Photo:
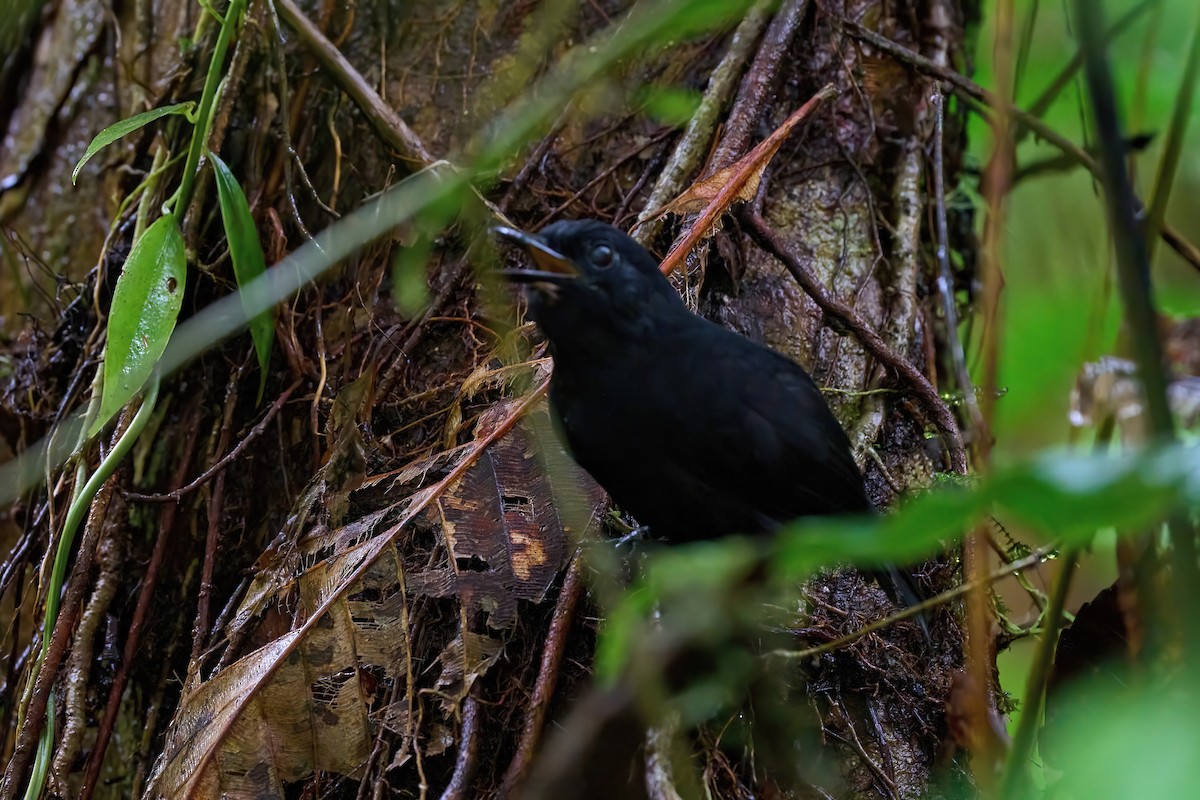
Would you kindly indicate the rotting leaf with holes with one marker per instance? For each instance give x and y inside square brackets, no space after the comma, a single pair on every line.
[508,522]
[245,250]
[145,306]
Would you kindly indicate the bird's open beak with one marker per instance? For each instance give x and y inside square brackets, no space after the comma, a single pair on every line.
[553,267]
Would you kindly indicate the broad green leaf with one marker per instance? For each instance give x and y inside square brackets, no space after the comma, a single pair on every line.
[920,527]
[145,305]
[1067,496]
[410,279]
[125,127]
[1112,741]
[245,250]
[1071,496]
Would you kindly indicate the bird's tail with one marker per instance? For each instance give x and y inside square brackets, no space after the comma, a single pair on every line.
[902,588]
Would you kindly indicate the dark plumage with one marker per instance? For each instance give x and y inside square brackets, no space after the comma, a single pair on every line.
[696,431]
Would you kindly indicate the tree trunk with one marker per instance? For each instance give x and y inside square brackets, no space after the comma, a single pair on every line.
[377,593]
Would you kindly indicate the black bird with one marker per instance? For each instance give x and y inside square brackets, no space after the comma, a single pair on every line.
[695,430]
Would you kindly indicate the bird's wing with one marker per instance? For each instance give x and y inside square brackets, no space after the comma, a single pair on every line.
[766,434]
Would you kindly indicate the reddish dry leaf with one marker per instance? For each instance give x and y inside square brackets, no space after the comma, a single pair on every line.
[703,192]
[739,181]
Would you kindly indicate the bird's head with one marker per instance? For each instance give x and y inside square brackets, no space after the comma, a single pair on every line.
[590,278]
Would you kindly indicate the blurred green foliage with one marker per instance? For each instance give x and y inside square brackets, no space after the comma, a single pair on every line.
[1060,307]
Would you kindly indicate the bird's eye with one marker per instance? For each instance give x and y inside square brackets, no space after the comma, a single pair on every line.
[602,255]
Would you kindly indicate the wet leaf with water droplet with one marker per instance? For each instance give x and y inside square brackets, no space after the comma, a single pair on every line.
[145,305]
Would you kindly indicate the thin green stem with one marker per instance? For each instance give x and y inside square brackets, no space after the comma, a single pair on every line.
[1063,79]
[1173,146]
[183,197]
[80,503]
[1025,738]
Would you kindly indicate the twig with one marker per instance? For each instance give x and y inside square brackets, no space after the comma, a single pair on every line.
[758,86]
[692,145]
[864,757]
[216,507]
[166,535]
[180,493]
[1021,750]
[1168,165]
[547,679]
[945,281]
[32,706]
[468,749]
[64,625]
[387,122]
[1182,247]
[985,99]
[604,174]
[1032,560]
[737,182]
[1063,79]
[943,418]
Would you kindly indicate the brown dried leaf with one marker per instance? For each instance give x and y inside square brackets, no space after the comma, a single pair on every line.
[701,193]
[302,702]
[507,523]
[466,658]
[736,182]
[740,179]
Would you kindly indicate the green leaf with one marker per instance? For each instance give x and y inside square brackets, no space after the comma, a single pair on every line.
[245,249]
[1115,738]
[1065,495]
[125,127]
[670,105]
[145,305]
[410,284]
[1072,496]
[1068,496]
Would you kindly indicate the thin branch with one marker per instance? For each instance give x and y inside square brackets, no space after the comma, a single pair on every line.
[945,281]
[1032,560]
[693,145]
[180,493]
[754,162]
[387,122]
[1034,698]
[468,749]
[943,418]
[985,101]
[1168,166]
[1062,80]
[757,88]
[166,536]
[547,679]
